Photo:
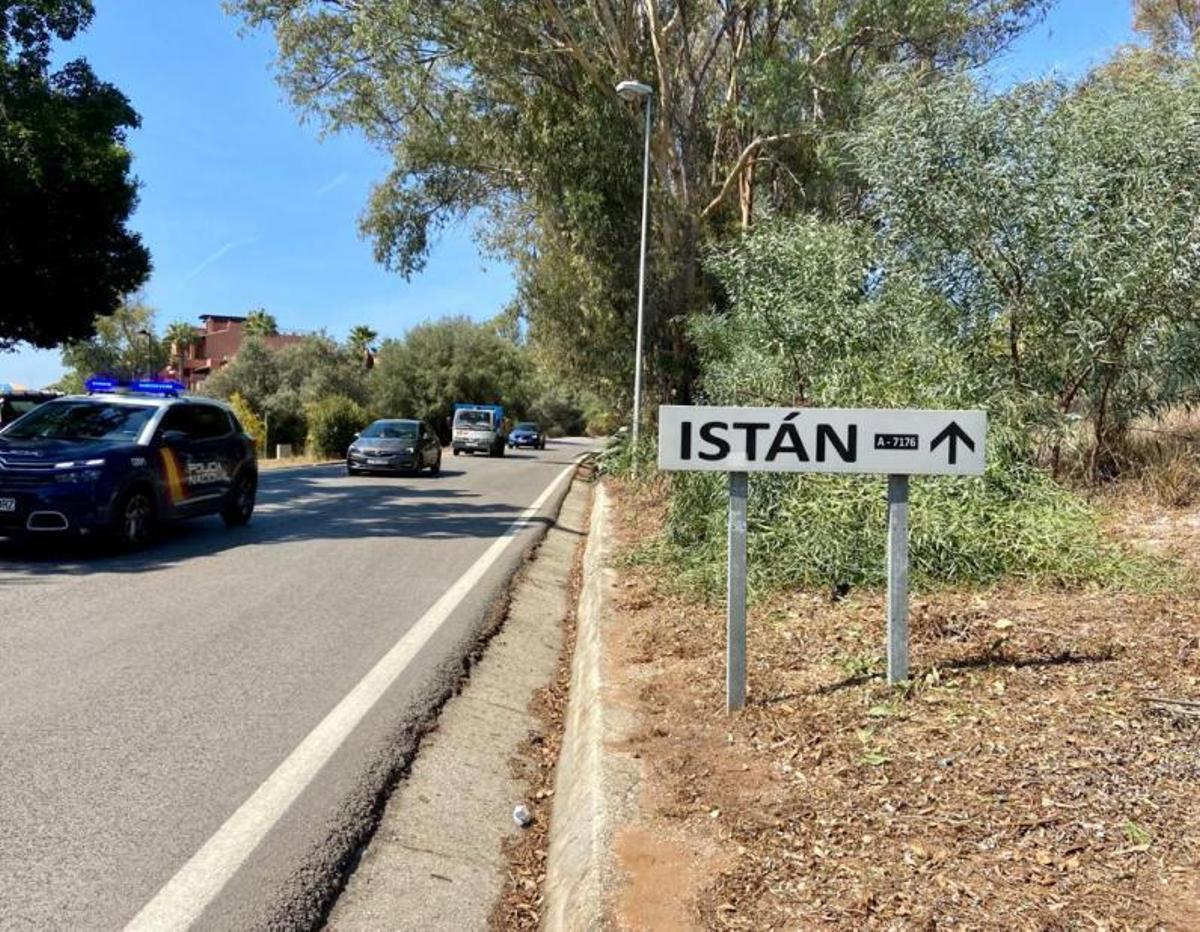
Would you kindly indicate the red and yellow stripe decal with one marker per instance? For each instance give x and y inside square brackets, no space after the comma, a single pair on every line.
[175,485]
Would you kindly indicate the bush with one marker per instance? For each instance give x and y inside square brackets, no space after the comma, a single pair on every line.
[811,323]
[819,530]
[332,424]
[251,422]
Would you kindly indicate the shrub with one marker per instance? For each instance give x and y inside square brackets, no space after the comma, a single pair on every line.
[812,323]
[251,422]
[332,424]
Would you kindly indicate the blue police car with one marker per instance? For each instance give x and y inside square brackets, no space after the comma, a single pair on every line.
[121,459]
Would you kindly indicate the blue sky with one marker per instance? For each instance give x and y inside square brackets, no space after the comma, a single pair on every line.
[244,206]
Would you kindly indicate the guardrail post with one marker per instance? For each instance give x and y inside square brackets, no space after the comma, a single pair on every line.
[735,624]
[897,576]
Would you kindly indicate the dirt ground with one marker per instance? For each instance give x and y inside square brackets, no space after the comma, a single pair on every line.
[1042,771]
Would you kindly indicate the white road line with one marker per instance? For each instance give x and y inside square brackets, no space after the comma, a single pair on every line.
[179,904]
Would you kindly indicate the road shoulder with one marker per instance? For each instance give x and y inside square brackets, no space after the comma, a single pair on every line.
[437,859]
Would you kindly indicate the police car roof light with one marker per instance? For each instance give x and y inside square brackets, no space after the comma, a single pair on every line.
[158,387]
[164,387]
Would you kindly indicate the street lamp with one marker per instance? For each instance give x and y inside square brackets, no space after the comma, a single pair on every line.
[149,352]
[634,90]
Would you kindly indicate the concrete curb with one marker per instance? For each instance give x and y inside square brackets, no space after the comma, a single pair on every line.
[594,785]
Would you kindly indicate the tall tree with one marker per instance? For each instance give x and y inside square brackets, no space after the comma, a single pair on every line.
[1060,224]
[508,112]
[360,338]
[123,345]
[180,337]
[260,324]
[66,193]
[448,361]
[1172,26]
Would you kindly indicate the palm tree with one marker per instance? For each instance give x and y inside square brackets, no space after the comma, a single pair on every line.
[360,340]
[260,323]
[180,337]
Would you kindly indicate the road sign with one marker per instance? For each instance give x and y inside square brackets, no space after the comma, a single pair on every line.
[897,443]
[903,442]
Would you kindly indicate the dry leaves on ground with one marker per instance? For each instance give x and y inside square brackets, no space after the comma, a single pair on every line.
[1030,777]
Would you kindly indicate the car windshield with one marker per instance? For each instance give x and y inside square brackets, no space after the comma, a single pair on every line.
[474,418]
[391,430]
[526,425]
[82,420]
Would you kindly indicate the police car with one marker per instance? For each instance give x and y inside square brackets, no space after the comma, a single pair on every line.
[121,459]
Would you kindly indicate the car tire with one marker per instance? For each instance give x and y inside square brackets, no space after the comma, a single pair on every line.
[134,518]
[242,496]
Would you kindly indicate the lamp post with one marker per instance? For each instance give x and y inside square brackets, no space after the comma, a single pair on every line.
[634,90]
[149,352]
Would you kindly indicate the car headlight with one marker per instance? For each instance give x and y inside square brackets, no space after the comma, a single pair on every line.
[78,471]
[410,449]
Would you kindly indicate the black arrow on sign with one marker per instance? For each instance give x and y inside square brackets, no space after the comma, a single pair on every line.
[954,434]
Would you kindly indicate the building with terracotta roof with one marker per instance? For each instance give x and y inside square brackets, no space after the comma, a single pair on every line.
[218,339]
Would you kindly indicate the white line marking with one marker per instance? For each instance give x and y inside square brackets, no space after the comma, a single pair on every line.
[179,904]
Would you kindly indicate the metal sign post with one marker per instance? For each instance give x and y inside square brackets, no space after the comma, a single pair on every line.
[897,579]
[735,618]
[896,443]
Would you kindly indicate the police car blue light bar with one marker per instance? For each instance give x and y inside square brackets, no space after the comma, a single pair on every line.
[157,386]
[164,387]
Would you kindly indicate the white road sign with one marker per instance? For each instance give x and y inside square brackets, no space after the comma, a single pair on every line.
[901,442]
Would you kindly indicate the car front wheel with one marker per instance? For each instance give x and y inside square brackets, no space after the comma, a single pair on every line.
[240,507]
[134,522]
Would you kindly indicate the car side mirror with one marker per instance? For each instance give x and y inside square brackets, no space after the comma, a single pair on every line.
[173,436]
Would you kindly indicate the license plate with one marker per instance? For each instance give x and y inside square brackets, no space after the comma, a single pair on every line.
[8,504]
[377,462]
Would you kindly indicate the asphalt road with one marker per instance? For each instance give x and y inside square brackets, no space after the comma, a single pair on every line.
[148,702]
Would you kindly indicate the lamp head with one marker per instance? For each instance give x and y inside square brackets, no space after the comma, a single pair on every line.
[634,90]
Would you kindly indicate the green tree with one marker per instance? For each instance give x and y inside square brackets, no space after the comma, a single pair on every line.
[360,339]
[817,316]
[66,193]
[260,324]
[119,347]
[1172,26]
[253,374]
[506,112]
[1059,223]
[448,361]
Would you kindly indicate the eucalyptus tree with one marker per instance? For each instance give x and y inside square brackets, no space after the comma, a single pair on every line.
[505,113]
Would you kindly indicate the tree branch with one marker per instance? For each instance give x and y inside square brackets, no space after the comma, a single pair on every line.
[739,166]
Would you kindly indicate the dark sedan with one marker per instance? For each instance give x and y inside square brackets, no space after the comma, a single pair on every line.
[527,434]
[394,445]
